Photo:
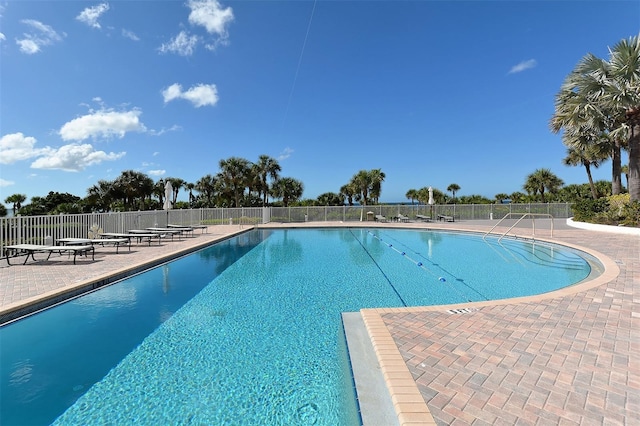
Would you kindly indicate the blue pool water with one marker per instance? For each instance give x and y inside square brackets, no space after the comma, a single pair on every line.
[248,331]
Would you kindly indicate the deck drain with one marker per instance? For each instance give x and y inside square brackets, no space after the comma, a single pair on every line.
[462,311]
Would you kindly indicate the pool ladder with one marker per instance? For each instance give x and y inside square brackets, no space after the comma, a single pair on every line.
[523,216]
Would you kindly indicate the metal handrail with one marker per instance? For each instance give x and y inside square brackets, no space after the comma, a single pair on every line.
[524,215]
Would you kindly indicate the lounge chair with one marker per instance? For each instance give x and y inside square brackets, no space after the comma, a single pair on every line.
[380,218]
[203,228]
[149,236]
[423,218]
[173,231]
[116,242]
[30,249]
[445,218]
[403,218]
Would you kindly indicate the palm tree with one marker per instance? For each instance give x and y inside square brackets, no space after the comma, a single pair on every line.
[190,187]
[158,191]
[412,194]
[16,200]
[625,171]
[267,168]
[591,155]
[501,197]
[453,188]
[330,199]
[368,184]
[233,178]
[133,187]
[361,182]
[206,186]
[601,96]
[289,189]
[376,177]
[541,180]
[176,184]
[348,191]
[100,196]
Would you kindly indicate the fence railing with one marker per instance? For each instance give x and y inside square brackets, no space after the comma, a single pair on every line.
[44,229]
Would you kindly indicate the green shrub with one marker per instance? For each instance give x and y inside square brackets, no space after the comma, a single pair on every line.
[586,210]
[631,213]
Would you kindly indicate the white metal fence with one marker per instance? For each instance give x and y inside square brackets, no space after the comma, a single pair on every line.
[41,229]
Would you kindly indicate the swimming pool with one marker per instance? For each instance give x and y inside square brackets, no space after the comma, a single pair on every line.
[248,331]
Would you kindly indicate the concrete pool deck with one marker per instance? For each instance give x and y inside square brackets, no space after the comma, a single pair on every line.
[567,357]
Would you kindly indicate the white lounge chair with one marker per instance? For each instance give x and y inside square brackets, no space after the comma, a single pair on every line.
[30,249]
[380,218]
[403,218]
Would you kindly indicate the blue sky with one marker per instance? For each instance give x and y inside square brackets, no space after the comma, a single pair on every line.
[431,92]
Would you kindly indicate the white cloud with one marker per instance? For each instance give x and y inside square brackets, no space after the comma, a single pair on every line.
[211,15]
[41,35]
[157,172]
[104,123]
[183,44]
[286,153]
[130,34]
[199,95]
[2,37]
[17,147]
[73,158]
[90,15]
[523,66]
[4,182]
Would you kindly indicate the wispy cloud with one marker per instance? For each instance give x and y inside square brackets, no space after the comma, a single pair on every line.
[286,153]
[90,15]
[183,44]
[523,66]
[39,36]
[4,182]
[199,95]
[103,123]
[157,172]
[130,35]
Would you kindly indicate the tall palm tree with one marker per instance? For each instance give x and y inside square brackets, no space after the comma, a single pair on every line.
[158,191]
[412,194]
[541,180]
[206,186]
[453,188]
[349,191]
[100,196]
[133,187]
[368,185]
[267,168]
[591,155]
[362,184]
[289,189]
[16,200]
[176,185]
[601,96]
[376,177]
[189,186]
[233,177]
